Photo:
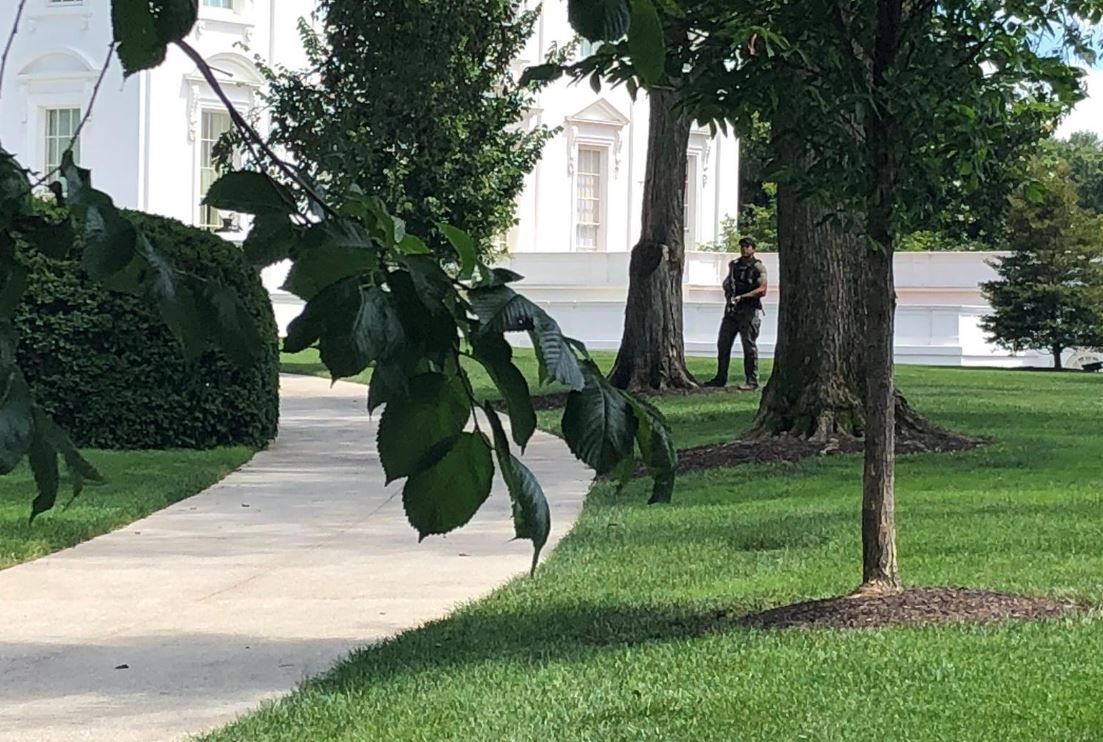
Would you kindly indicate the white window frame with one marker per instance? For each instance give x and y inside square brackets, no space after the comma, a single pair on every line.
[692,227]
[44,135]
[601,242]
[200,220]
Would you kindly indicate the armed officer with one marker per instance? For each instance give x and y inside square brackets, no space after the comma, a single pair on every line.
[743,290]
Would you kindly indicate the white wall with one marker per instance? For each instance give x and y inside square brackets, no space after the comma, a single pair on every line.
[937,322]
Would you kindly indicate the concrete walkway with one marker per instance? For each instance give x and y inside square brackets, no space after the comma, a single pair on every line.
[193,616]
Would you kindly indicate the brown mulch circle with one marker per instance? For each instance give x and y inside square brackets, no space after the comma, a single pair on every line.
[914,606]
[789,448]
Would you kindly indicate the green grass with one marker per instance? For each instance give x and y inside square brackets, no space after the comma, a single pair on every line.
[138,483]
[609,640]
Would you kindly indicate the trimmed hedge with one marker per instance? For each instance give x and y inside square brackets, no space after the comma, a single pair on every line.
[109,371]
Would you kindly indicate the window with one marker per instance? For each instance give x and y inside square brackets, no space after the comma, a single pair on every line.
[692,186]
[589,199]
[214,125]
[61,125]
[227,4]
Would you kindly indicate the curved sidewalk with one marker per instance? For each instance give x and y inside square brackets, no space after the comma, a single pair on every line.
[184,620]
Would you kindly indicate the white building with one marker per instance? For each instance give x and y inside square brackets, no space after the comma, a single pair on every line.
[148,143]
[148,140]
[586,193]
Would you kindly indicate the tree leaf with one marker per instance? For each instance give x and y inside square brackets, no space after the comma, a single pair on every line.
[374,334]
[43,462]
[16,418]
[531,513]
[411,245]
[656,447]
[140,46]
[270,240]
[436,409]
[234,328]
[465,248]
[447,495]
[598,423]
[557,360]
[599,20]
[330,251]
[78,468]
[250,192]
[496,356]
[646,42]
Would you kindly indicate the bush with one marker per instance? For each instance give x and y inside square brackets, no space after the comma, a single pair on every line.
[105,366]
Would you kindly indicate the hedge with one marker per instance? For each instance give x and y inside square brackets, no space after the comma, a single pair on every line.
[108,370]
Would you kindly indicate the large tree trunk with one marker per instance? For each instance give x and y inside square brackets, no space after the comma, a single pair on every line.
[817,389]
[652,349]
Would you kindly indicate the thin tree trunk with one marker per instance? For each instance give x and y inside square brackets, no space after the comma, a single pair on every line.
[652,347]
[879,568]
[1057,358]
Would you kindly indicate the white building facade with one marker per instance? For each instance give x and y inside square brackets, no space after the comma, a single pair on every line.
[148,139]
[586,193]
[148,143]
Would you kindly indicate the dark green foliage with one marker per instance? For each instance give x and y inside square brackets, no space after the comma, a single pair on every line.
[104,365]
[1084,153]
[414,101]
[1051,294]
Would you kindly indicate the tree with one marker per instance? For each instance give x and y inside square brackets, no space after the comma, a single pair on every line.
[1050,296]
[414,101]
[375,296]
[651,354]
[1083,151]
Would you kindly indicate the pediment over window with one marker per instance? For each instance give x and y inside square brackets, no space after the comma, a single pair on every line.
[600,112]
[231,69]
[58,64]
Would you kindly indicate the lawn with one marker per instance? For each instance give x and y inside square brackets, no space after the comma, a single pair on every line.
[616,638]
[138,483]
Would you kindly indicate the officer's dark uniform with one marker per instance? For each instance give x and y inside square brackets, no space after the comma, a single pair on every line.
[741,319]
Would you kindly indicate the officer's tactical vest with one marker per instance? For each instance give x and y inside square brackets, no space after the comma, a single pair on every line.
[744,277]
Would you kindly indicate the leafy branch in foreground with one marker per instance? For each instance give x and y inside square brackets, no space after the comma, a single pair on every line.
[376,298]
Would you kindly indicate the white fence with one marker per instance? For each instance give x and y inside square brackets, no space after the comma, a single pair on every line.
[937,321]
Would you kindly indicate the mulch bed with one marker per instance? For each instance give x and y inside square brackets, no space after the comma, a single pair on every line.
[914,606]
[789,448]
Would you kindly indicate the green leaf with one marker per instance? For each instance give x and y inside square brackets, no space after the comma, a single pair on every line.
[270,240]
[43,462]
[646,42]
[78,468]
[464,247]
[174,19]
[140,46]
[411,245]
[656,448]
[339,300]
[16,418]
[531,513]
[540,74]
[447,495]
[435,410]
[598,423]
[599,20]
[496,356]
[234,328]
[176,302]
[13,284]
[250,192]
[374,334]
[331,251]
[389,382]
[557,360]
[52,239]
[110,241]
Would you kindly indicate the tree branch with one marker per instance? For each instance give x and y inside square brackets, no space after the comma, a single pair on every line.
[11,40]
[249,132]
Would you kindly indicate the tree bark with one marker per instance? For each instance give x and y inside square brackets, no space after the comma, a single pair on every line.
[652,348]
[879,568]
[1057,358]
[815,390]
